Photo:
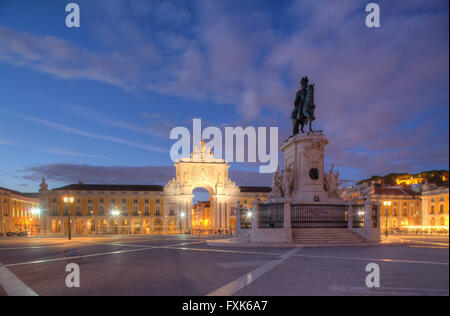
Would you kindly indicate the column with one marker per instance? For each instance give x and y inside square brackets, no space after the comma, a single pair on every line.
[188,206]
[255,211]
[180,219]
[216,215]
[226,216]
[213,210]
[238,219]
[222,216]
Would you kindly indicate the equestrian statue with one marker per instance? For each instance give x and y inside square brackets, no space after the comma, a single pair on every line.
[303,113]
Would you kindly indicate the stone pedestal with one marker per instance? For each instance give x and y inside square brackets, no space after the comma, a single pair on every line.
[371,214]
[304,154]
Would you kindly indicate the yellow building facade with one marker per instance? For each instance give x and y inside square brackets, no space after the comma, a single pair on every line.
[404,209]
[435,205]
[400,208]
[17,213]
[201,216]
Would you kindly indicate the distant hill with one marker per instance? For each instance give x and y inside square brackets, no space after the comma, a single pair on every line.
[437,177]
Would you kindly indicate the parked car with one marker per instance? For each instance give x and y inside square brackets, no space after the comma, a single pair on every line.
[21,234]
[9,234]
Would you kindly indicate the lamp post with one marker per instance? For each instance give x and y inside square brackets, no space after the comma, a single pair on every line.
[182,215]
[141,224]
[115,213]
[92,226]
[36,212]
[68,201]
[386,206]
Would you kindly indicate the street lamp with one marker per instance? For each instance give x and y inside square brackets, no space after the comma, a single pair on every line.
[68,200]
[386,206]
[35,212]
[115,213]
[92,225]
[182,215]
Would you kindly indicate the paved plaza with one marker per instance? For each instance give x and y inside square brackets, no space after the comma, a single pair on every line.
[184,265]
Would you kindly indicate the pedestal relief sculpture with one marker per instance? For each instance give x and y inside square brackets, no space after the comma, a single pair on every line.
[282,185]
[332,183]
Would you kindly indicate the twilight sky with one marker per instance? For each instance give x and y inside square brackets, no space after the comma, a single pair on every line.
[97,103]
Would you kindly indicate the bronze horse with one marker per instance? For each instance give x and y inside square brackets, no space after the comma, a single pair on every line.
[303,112]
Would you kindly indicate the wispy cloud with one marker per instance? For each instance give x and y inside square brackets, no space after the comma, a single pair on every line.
[72,153]
[7,142]
[102,118]
[75,131]
[72,173]
[62,59]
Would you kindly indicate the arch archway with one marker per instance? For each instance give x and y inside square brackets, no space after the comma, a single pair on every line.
[201,170]
[202,206]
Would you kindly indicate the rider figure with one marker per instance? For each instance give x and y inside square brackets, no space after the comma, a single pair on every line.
[297,114]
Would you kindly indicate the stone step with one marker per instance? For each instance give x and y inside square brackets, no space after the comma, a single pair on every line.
[331,239]
[326,236]
[318,236]
[327,240]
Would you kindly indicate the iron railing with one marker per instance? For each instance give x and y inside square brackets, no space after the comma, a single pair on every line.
[271,215]
[319,216]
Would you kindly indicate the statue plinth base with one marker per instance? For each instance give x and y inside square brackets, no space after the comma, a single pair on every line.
[304,153]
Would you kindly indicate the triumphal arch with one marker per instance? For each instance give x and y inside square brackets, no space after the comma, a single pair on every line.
[202,170]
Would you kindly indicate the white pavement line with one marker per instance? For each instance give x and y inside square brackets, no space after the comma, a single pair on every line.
[187,243]
[238,284]
[116,244]
[375,259]
[86,256]
[78,257]
[426,242]
[34,247]
[12,285]
[224,251]
[428,247]
[142,246]
[389,291]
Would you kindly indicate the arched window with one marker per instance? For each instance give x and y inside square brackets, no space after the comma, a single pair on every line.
[432,209]
[442,221]
[433,222]
[441,208]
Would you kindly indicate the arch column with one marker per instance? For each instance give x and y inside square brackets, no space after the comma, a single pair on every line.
[188,207]
[222,215]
